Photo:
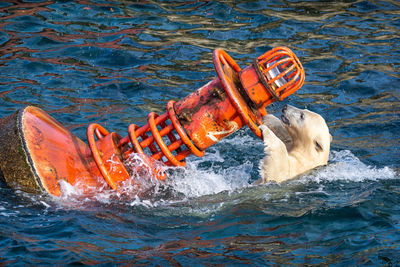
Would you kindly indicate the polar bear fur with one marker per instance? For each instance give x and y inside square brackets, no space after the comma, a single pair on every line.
[299,142]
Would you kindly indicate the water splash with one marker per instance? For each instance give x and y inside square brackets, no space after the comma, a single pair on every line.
[345,166]
[193,182]
[205,179]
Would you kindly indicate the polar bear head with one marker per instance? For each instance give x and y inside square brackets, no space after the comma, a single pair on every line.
[309,132]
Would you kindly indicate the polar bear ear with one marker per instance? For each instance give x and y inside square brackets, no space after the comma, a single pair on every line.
[330,137]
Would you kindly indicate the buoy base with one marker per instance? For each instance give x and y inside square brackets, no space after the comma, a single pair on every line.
[37,153]
[14,164]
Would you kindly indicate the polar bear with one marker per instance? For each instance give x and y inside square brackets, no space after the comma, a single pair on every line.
[299,142]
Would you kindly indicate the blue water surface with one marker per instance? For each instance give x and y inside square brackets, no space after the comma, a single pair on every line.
[113,62]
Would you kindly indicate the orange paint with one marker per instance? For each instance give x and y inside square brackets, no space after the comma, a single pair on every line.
[55,153]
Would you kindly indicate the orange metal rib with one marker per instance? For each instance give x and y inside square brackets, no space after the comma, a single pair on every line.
[100,131]
[181,132]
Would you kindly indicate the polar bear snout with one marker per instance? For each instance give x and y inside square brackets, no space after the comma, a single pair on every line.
[285,120]
[288,114]
[284,117]
[292,116]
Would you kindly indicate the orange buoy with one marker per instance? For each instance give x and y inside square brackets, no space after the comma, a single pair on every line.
[37,152]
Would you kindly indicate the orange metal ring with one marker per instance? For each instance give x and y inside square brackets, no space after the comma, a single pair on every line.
[145,138]
[232,93]
[132,136]
[167,130]
[160,142]
[99,130]
[181,132]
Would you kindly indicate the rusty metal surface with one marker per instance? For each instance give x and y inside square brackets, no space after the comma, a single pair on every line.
[208,115]
[255,89]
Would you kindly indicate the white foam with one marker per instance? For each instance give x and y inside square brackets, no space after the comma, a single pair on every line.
[345,166]
[193,182]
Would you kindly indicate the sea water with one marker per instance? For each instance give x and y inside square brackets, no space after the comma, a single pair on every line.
[113,62]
